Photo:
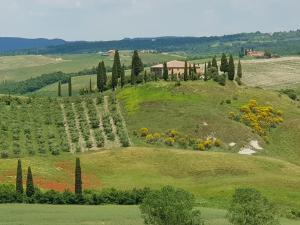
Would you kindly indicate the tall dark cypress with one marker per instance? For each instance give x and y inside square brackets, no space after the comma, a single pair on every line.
[70,86]
[185,74]
[224,64]
[165,72]
[29,184]
[114,78]
[123,76]
[205,72]
[117,63]
[59,89]
[214,63]
[19,178]
[99,77]
[231,68]
[104,73]
[239,70]
[209,65]
[136,67]
[78,181]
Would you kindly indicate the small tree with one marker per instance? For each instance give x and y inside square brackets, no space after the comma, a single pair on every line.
[165,72]
[170,206]
[78,181]
[19,178]
[249,207]
[231,69]
[70,86]
[59,89]
[185,74]
[29,184]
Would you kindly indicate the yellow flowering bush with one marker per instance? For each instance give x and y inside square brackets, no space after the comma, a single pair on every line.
[260,118]
[169,141]
[144,132]
[150,138]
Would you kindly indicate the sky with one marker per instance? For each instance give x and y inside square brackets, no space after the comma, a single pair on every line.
[96,20]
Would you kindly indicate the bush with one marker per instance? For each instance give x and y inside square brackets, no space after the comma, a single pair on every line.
[170,206]
[4,155]
[249,207]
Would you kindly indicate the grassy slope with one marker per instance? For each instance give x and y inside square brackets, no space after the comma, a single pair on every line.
[196,103]
[92,215]
[212,177]
[16,68]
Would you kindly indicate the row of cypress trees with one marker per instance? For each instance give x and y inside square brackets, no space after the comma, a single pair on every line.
[227,67]
[29,181]
[30,189]
[118,72]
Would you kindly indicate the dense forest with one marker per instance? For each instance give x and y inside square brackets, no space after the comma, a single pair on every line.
[282,43]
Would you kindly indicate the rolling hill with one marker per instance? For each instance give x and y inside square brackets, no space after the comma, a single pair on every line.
[10,44]
[283,43]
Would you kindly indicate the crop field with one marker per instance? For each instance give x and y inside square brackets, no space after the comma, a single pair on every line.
[17,68]
[43,125]
[93,215]
[271,73]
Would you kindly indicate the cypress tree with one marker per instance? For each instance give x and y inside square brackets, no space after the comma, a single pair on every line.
[117,63]
[215,63]
[165,72]
[224,64]
[78,181]
[136,67]
[209,65]
[185,74]
[205,72]
[19,178]
[70,86]
[231,69]
[104,73]
[123,76]
[59,89]
[114,78]
[29,184]
[99,77]
[194,69]
[239,70]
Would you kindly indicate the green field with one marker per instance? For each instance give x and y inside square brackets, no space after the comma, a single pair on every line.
[17,68]
[211,176]
[93,215]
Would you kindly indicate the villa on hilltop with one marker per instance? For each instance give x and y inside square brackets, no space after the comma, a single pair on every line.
[177,67]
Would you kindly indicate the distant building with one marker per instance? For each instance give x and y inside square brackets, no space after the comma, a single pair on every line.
[108,53]
[253,53]
[176,66]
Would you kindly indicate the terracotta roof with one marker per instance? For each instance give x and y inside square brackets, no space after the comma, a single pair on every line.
[174,64]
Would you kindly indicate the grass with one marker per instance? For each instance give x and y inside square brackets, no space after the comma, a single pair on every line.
[16,68]
[93,215]
[187,108]
[211,176]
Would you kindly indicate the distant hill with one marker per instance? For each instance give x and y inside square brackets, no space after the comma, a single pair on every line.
[282,43]
[9,44]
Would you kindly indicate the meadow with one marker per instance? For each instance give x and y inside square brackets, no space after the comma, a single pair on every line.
[202,109]
[92,215]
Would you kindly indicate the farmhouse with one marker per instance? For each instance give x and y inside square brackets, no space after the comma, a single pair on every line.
[177,67]
[252,53]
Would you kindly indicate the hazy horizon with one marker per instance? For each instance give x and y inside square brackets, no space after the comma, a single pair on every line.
[100,20]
